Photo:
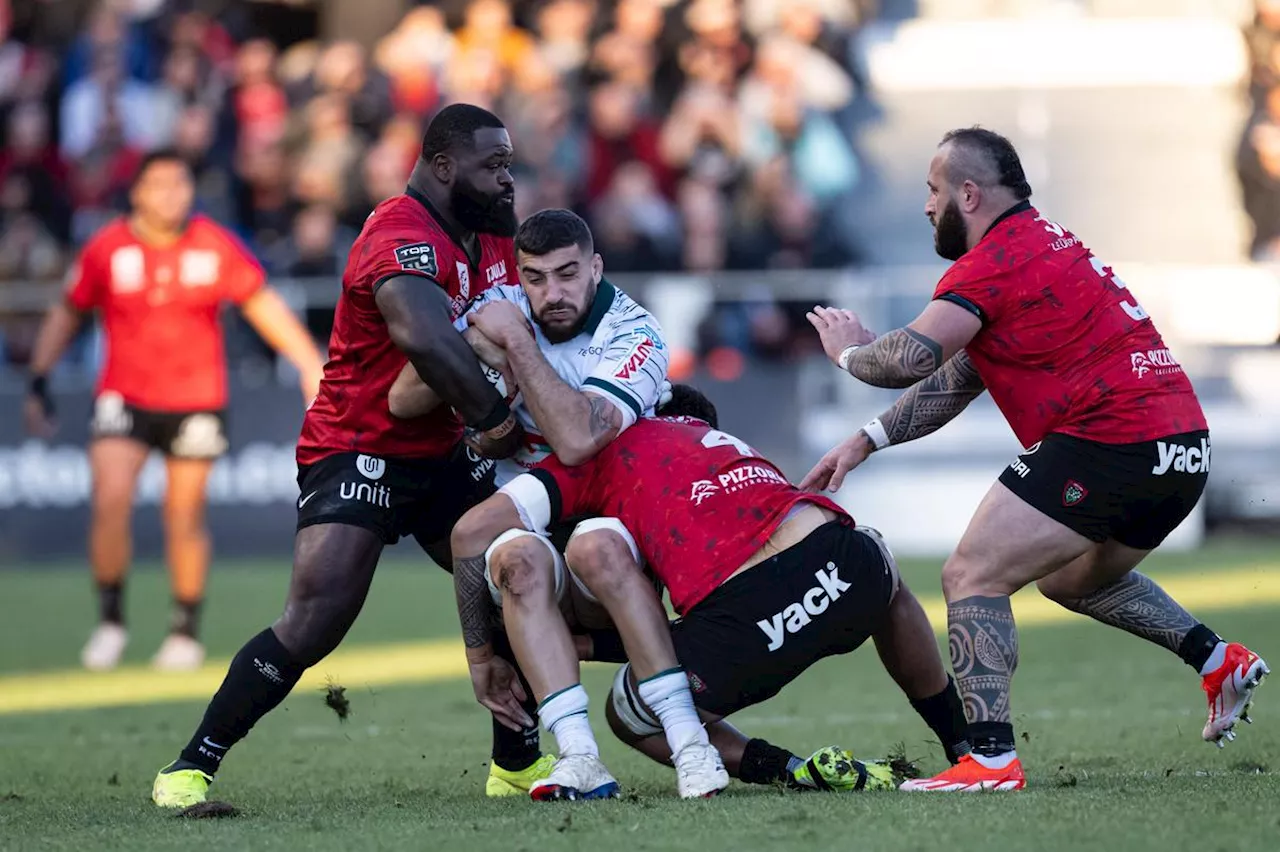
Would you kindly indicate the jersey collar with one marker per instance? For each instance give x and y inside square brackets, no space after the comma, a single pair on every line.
[605,294]
[1021,207]
[444,226]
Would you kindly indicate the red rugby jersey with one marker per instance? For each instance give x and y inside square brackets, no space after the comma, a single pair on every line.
[699,502]
[1064,346]
[351,413]
[160,310]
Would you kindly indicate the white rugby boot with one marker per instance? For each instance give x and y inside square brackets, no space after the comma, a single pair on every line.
[700,773]
[105,647]
[178,653]
[575,777]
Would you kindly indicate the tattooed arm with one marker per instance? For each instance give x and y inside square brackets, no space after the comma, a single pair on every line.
[933,403]
[924,409]
[900,358]
[475,609]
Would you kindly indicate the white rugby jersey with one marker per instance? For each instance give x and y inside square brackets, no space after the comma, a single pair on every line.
[620,354]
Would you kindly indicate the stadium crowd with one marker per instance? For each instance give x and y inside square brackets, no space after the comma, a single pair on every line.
[692,134]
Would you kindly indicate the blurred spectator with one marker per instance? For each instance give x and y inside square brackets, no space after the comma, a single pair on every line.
[620,132]
[328,153]
[32,155]
[1258,165]
[343,69]
[637,227]
[489,29]
[258,104]
[414,56]
[91,103]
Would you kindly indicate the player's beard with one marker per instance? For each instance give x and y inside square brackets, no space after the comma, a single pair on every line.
[481,213]
[951,233]
[562,330]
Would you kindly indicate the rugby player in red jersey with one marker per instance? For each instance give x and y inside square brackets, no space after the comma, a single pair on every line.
[768,580]
[366,478]
[1117,448]
[158,278]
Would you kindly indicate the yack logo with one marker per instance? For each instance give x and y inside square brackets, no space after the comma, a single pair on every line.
[814,602]
[1181,458]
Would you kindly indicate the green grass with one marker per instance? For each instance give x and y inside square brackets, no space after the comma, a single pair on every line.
[1110,729]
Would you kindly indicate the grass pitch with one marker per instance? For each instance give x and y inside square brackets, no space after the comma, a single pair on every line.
[1109,731]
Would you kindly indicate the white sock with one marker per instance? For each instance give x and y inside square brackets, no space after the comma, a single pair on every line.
[667,694]
[1000,761]
[1216,658]
[565,715]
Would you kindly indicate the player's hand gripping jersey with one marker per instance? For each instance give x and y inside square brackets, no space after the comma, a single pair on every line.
[698,501]
[351,414]
[160,312]
[620,354]
[1064,346]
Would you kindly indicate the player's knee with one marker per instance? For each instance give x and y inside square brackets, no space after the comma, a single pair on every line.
[962,574]
[474,532]
[184,522]
[523,570]
[601,559]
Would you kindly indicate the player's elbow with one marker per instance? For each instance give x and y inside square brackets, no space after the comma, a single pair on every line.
[575,452]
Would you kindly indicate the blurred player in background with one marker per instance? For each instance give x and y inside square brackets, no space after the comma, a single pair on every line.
[1117,447]
[594,363]
[158,278]
[367,479]
[767,580]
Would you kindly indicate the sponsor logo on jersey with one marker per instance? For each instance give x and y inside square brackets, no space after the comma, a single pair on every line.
[702,489]
[127,269]
[648,341]
[378,495]
[748,475]
[198,268]
[812,603]
[496,273]
[1073,492]
[371,467]
[1021,468]
[1159,361]
[1181,458]
[636,358]
[419,257]
[464,280]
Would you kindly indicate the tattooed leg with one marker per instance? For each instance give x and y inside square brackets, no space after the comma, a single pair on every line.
[1135,604]
[984,654]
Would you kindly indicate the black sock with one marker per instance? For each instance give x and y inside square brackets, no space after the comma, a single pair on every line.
[111,603]
[1197,645]
[515,750]
[765,763]
[260,677]
[991,739]
[186,618]
[944,714]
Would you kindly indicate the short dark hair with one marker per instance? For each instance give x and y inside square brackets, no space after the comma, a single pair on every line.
[454,127]
[999,154]
[159,155]
[688,401]
[555,228]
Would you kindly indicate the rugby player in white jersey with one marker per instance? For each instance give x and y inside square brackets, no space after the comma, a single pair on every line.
[582,362]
